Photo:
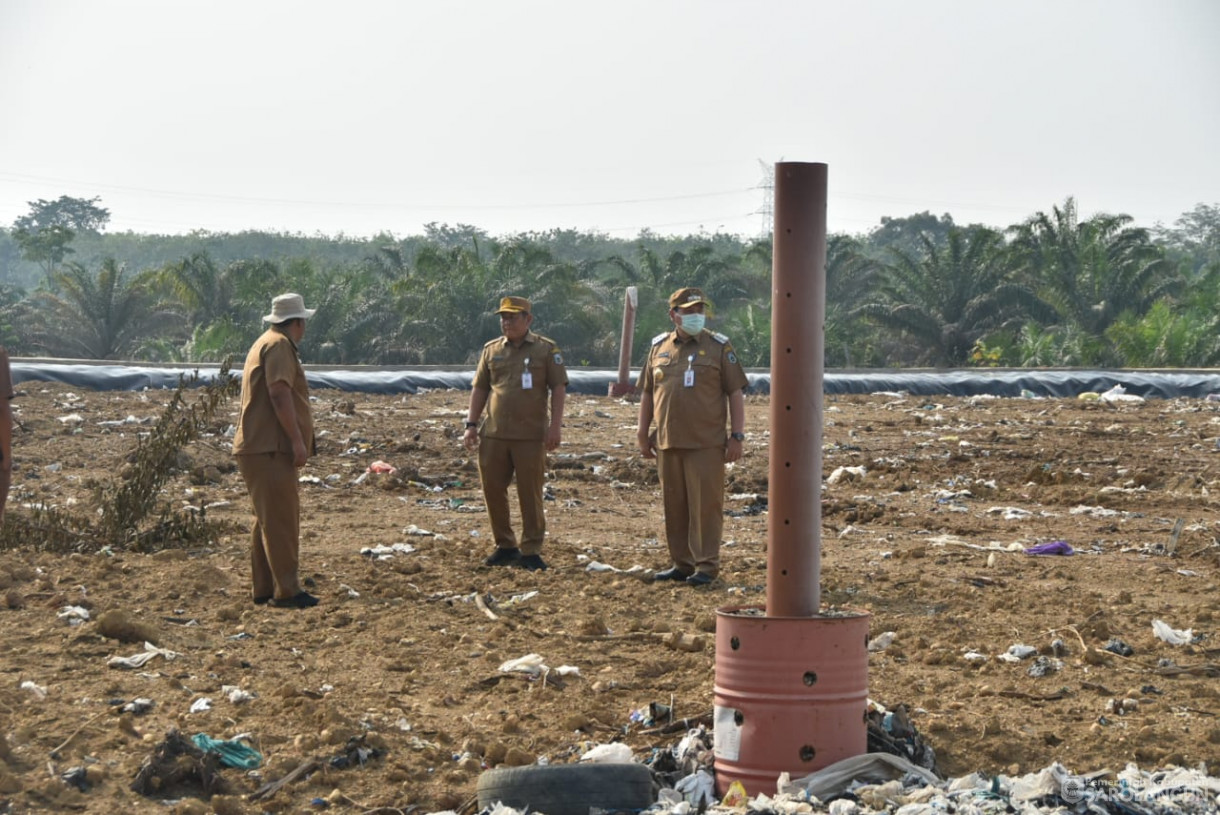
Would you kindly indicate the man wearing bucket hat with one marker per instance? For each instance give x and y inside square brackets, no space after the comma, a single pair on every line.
[275,438]
[690,384]
[514,375]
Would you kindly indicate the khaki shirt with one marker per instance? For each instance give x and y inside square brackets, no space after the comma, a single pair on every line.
[691,417]
[272,358]
[513,411]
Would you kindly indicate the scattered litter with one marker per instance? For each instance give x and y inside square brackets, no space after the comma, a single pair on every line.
[615,753]
[1010,513]
[1172,636]
[1097,512]
[201,704]
[1119,394]
[1017,652]
[881,641]
[71,418]
[236,695]
[138,706]
[76,777]
[531,664]
[846,473]
[138,660]
[1117,646]
[414,531]
[1050,548]
[517,599]
[697,789]
[233,753]
[381,467]
[38,690]
[75,615]
[1044,665]
[383,552]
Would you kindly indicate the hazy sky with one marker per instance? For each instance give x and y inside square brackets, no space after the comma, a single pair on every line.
[364,116]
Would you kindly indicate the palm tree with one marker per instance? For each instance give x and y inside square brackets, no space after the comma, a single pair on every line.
[949,296]
[102,316]
[1088,274]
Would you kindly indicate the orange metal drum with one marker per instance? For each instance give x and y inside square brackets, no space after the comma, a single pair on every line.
[790,696]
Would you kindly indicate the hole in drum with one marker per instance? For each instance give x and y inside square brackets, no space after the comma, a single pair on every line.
[735,643]
[807,753]
[738,718]
[810,678]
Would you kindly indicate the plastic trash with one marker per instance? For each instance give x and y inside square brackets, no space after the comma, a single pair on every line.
[531,664]
[615,753]
[138,706]
[201,704]
[881,641]
[233,753]
[698,788]
[236,695]
[75,615]
[1050,548]
[1017,652]
[381,467]
[142,658]
[34,688]
[1173,636]
[1117,646]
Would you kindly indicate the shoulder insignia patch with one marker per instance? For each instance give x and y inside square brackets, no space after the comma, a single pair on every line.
[558,358]
[732,358]
[660,338]
[720,338]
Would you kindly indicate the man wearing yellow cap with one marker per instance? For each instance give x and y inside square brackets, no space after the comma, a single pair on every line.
[691,384]
[515,374]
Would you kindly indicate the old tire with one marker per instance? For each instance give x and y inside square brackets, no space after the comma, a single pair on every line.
[568,789]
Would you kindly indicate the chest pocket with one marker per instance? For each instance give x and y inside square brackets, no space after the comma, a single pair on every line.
[504,370]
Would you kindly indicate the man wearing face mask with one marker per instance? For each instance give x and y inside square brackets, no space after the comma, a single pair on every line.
[691,385]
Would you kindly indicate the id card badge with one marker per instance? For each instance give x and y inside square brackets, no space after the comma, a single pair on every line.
[527,381]
[688,377]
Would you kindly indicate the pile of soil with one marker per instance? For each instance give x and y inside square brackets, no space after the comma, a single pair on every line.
[390,692]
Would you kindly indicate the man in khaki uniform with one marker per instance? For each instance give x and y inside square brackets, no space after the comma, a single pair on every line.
[513,377]
[690,383]
[275,438]
[6,428]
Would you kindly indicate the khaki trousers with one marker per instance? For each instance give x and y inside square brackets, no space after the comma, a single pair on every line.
[499,460]
[275,540]
[692,488]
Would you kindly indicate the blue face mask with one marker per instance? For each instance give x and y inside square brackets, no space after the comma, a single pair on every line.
[693,323]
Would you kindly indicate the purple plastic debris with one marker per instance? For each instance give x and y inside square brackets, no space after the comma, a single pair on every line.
[1050,548]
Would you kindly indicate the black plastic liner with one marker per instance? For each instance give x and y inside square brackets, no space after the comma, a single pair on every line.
[1007,382]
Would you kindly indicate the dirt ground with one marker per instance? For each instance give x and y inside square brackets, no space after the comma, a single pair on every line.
[406,649]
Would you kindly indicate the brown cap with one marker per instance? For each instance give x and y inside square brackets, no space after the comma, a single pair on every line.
[514,305]
[686,297]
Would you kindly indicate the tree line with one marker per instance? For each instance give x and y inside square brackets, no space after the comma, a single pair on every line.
[1051,290]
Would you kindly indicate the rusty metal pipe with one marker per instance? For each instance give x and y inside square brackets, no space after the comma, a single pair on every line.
[798,311]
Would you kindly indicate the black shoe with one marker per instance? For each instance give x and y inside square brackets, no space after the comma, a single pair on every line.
[699,579]
[672,573]
[504,557]
[262,601]
[533,563]
[301,599]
